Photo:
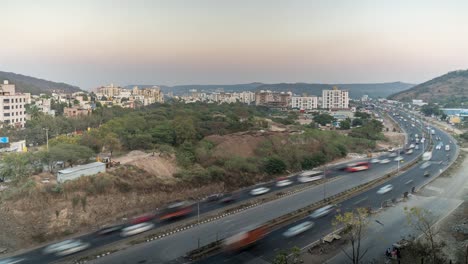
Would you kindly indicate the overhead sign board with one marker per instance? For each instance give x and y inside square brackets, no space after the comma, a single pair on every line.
[3,139]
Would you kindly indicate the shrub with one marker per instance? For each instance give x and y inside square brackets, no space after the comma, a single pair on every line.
[274,165]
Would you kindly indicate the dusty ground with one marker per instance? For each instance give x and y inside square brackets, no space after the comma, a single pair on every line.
[152,163]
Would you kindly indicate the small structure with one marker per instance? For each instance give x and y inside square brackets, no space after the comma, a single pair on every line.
[81,170]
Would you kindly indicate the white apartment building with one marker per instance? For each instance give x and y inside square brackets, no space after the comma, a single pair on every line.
[335,99]
[12,110]
[304,102]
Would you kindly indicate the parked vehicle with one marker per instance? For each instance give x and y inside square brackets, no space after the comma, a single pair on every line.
[298,229]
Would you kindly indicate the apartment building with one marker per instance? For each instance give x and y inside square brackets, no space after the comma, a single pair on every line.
[273,99]
[12,110]
[335,99]
[304,102]
[76,111]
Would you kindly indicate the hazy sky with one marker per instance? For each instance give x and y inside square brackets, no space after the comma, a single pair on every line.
[94,42]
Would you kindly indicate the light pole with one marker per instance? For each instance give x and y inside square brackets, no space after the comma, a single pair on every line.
[47,137]
[398,167]
[325,183]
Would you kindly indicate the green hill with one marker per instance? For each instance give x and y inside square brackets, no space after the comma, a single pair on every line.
[453,85]
[27,84]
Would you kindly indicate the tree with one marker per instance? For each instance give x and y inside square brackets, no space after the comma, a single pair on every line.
[16,166]
[274,165]
[291,256]
[70,153]
[421,220]
[357,122]
[353,224]
[345,124]
[362,115]
[111,143]
[431,109]
[324,119]
[184,129]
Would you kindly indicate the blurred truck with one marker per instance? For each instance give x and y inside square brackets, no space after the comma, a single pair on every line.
[245,239]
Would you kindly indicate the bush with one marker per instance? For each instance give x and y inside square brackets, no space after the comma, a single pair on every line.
[239,164]
[313,161]
[274,165]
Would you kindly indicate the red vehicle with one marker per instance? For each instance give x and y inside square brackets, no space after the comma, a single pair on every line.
[245,239]
[142,219]
[175,210]
[358,166]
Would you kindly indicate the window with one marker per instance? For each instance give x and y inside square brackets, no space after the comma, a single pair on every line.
[6,100]
[7,107]
[6,114]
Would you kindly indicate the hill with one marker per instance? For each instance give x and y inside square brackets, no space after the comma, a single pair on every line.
[453,84]
[374,90]
[27,84]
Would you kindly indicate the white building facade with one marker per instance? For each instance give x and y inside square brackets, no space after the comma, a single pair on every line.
[335,99]
[12,110]
[304,102]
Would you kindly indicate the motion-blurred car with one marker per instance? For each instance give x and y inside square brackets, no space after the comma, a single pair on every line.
[109,230]
[425,165]
[281,182]
[374,161]
[322,211]
[259,191]
[417,147]
[142,219]
[427,174]
[411,146]
[66,247]
[399,158]
[214,197]
[228,197]
[298,229]
[409,152]
[385,189]
[384,161]
[393,154]
[12,260]
[136,229]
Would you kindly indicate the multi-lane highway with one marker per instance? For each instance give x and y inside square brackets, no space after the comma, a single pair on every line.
[174,246]
[275,241]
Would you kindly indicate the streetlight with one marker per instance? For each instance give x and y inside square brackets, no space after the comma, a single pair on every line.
[325,183]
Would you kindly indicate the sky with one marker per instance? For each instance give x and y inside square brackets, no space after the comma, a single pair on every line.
[90,43]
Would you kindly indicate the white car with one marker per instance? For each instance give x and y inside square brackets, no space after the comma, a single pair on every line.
[66,247]
[385,189]
[409,152]
[298,229]
[425,165]
[399,158]
[384,161]
[374,161]
[12,260]
[322,211]
[417,147]
[136,229]
[259,191]
[305,179]
[283,183]
[392,155]
[411,146]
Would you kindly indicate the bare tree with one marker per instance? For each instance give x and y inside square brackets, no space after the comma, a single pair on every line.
[422,220]
[354,223]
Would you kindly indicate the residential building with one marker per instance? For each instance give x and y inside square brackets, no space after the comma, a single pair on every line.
[304,102]
[109,91]
[335,99]
[76,111]
[12,110]
[273,99]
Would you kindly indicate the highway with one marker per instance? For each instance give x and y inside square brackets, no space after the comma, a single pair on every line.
[274,242]
[169,248]
[185,241]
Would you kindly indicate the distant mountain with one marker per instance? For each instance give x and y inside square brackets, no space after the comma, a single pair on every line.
[453,84]
[27,84]
[374,90]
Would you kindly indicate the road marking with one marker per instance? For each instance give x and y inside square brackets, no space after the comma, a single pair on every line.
[360,201]
[408,182]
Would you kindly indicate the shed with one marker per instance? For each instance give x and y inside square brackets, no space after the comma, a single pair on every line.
[80,170]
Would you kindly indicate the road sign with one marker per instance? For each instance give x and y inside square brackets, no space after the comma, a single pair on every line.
[3,139]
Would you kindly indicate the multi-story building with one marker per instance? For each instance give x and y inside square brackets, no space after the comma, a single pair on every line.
[109,91]
[273,99]
[12,110]
[304,102]
[76,111]
[335,99]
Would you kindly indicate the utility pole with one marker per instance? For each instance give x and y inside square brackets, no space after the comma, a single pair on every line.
[325,183]
[399,150]
[47,137]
